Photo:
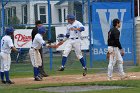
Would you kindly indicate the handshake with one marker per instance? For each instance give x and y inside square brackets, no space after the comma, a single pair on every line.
[56,45]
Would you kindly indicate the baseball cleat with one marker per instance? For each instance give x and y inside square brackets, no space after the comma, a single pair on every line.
[37,78]
[85,72]
[10,82]
[44,75]
[61,69]
[40,76]
[3,82]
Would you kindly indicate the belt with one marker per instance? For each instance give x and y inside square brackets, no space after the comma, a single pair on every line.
[34,48]
[74,38]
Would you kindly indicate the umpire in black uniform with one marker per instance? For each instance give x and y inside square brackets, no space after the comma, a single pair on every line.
[34,32]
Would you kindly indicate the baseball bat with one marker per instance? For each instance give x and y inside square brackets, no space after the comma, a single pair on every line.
[18,56]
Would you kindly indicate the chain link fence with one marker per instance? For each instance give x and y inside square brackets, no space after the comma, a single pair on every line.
[22,14]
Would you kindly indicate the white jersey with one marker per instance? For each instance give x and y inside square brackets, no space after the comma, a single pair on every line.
[6,44]
[74,34]
[38,41]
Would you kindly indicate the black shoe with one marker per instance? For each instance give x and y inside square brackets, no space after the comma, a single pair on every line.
[37,78]
[61,69]
[3,82]
[85,72]
[44,75]
[10,82]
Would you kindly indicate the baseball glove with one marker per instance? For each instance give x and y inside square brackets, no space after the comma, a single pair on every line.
[107,55]
[122,52]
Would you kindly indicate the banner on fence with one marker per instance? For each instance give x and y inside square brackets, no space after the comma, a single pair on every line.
[61,31]
[22,38]
[102,15]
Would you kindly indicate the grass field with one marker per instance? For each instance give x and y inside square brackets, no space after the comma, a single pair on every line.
[25,70]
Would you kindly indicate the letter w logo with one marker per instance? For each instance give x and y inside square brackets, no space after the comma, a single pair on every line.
[106,21]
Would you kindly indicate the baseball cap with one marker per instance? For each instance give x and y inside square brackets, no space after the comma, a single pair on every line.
[9,30]
[71,17]
[41,30]
[38,22]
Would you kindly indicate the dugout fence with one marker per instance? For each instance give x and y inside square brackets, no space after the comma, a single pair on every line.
[22,14]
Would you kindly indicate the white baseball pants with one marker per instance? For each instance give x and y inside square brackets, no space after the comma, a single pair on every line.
[35,57]
[76,44]
[5,61]
[115,57]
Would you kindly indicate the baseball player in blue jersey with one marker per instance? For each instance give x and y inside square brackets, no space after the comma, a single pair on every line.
[35,56]
[6,47]
[73,37]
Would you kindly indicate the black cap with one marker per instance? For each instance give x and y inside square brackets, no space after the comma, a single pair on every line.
[38,22]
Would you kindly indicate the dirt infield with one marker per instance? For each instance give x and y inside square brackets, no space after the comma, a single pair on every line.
[72,79]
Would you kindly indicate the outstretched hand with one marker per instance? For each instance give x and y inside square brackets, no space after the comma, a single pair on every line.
[56,45]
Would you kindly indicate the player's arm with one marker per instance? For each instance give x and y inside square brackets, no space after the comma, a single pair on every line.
[11,45]
[117,41]
[79,27]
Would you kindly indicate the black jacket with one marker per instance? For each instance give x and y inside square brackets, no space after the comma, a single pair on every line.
[34,32]
[113,38]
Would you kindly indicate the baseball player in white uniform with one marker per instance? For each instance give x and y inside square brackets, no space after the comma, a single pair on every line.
[6,47]
[115,50]
[35,56]
[73,37]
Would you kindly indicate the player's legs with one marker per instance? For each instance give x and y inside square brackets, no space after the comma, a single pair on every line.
[6,67]
[66,52]
[41,68]
[77,48]
[36,62]
[112,61]
[2,69]
[111,64]
[120,63]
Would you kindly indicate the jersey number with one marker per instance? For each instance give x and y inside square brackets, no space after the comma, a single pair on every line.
[2,42]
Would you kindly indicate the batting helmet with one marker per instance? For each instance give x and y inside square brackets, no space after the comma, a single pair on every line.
[71,17]
[60,37]
[9,30]
[41,30]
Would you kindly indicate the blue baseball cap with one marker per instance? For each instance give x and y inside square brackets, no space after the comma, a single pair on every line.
[9,30]
[41,30]
[71,17]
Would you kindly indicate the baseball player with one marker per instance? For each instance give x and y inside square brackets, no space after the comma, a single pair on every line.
[35,56]
[74,29]
[115,50]
[34,32]
[6,47]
